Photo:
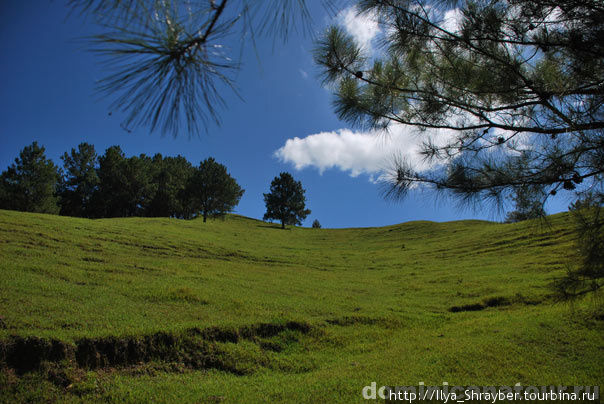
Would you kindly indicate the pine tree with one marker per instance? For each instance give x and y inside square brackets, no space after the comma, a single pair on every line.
[528,205]
[587,274]
[508,93]
[80,180]
[286,201]
[126,186]
[171,175]
[212,191]
[110,199]
[30,184]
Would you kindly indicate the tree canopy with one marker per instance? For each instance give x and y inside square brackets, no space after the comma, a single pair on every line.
[508,93]
[30,184]
[212,191]
[528,205]
[286,201]
[125,184]
[171,175]
[113,185]
[80,180]
[588,275]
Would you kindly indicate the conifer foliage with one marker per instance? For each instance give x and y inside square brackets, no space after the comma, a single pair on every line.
[30,184]
[113,185]
[213,190]
[286,201]
[508,94]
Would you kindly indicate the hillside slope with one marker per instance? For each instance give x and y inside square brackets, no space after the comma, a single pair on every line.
[285,315]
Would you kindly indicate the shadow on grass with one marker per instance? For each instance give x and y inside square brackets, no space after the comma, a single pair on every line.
[272,226]
[194,348]
[497,301]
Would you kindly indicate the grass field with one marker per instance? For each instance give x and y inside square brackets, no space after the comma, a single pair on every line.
[237,310]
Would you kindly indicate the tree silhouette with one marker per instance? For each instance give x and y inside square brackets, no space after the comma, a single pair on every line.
[171,175]
[80,181]
[286,201]
[30,184]
[212,191]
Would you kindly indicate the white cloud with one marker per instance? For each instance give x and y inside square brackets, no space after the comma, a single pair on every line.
[358,152]
[303,73]
[452,20]
[363,28]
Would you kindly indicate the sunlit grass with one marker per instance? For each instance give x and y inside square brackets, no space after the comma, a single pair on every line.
[379,302]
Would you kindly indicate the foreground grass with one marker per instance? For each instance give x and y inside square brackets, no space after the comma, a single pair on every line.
[388,305]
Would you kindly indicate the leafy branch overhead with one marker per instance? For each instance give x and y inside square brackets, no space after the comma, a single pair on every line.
[168,62]
[508,93]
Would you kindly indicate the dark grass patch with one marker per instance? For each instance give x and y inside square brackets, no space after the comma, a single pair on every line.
[57,374]
[270,346]
[267,330]
[26,354]
[95,353]
[495,301]
[347,321]
[250,332]
[194,348]
[217,334]
[93,259]
[467,307]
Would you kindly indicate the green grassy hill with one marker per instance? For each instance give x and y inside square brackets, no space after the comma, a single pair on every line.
[237,310]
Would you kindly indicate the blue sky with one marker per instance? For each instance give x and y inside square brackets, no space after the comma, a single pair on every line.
[284,123]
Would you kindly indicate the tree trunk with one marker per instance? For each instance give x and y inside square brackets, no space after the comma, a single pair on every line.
[283,224]
[205,216]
